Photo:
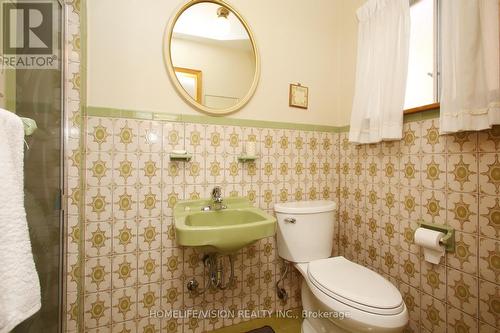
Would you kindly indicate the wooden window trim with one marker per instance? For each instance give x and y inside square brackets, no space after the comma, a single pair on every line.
[422,108]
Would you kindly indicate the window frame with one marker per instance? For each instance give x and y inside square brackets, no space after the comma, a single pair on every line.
[437,62]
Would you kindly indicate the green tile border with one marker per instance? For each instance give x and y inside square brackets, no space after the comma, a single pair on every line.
[423,115]
[202,119]
[97,111]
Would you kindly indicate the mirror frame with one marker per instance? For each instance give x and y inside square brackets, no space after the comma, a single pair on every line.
[171,68]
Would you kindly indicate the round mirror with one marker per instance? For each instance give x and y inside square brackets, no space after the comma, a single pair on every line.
[212,57]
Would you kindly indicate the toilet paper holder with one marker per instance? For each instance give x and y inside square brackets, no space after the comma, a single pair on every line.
[448,240]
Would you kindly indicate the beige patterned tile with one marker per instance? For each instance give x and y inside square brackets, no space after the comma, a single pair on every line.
[462,172]
[489,140]
[410,171]
[489,259]
[411,297]
[433,279]
[124,270]
[149,267]
[149,168]
[434,171]
[171,325]
[432,142]
[389,195]
[410,203]
[97,274]
[98,238]
[171,194]
[173,136]
[148,300]
[463,212]
[489,216]
[125,202]
[234,137]
[193,324]
[433,314]
[465,257]
[126,135]
[462,292]
[172,259]
[98,204]
[125,169]
[489,174]
[124,304]
[124,236]
[458,321]
[73,273]
[149,202]
[174,171]
[150,136]
[409,268]
[434,206]
[485,328]
[489,298]
[72,312]
[374,170]
[149,234]
[412,327]
[269,142]
[123,327]
[461,142]
[99,168]
[390,231]
[389,260]
[411,142]
[97,310]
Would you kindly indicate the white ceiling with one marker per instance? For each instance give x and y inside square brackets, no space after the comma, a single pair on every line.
[201,20]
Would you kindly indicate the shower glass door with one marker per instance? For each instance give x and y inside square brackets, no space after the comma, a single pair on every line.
[37,94]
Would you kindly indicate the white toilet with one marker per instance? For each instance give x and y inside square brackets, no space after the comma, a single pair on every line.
[355,298]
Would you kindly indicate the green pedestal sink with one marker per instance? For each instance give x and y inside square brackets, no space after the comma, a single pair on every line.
[222,231]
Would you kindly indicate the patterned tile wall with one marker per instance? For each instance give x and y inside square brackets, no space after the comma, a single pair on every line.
[454,180]
[132,262]
[73,153]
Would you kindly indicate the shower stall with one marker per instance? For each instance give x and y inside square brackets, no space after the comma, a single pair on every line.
[38,94]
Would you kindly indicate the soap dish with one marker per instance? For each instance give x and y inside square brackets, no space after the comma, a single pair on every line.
[180,157]
[246,158]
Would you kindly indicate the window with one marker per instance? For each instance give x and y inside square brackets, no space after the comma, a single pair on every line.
[422,87]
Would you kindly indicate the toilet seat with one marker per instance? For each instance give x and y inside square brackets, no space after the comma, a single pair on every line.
[355,286]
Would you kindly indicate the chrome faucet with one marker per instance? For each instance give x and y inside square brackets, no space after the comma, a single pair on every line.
[216,200]
[217,195]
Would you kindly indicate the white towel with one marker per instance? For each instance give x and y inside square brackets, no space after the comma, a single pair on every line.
[19,284]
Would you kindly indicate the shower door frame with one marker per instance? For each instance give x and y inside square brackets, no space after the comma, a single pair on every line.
[62,173]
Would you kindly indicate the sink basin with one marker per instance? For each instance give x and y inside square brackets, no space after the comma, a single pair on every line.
[223,231]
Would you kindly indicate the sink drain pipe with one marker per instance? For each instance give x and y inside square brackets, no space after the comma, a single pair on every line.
[215,265]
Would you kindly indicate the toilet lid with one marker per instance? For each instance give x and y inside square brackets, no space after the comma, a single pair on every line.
[355,285]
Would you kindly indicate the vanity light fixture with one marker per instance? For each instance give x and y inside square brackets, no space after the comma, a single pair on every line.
[223,24]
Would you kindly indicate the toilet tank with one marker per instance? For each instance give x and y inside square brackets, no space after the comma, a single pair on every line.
[305,230]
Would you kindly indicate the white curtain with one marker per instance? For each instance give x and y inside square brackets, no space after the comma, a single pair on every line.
[470,74]
[382,66]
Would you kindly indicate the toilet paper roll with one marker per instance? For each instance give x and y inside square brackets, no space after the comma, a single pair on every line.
[429,240]
[250,148]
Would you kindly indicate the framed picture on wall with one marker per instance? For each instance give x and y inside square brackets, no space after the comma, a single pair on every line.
[298,97]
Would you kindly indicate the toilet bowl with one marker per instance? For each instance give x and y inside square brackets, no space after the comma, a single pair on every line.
[337,295]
